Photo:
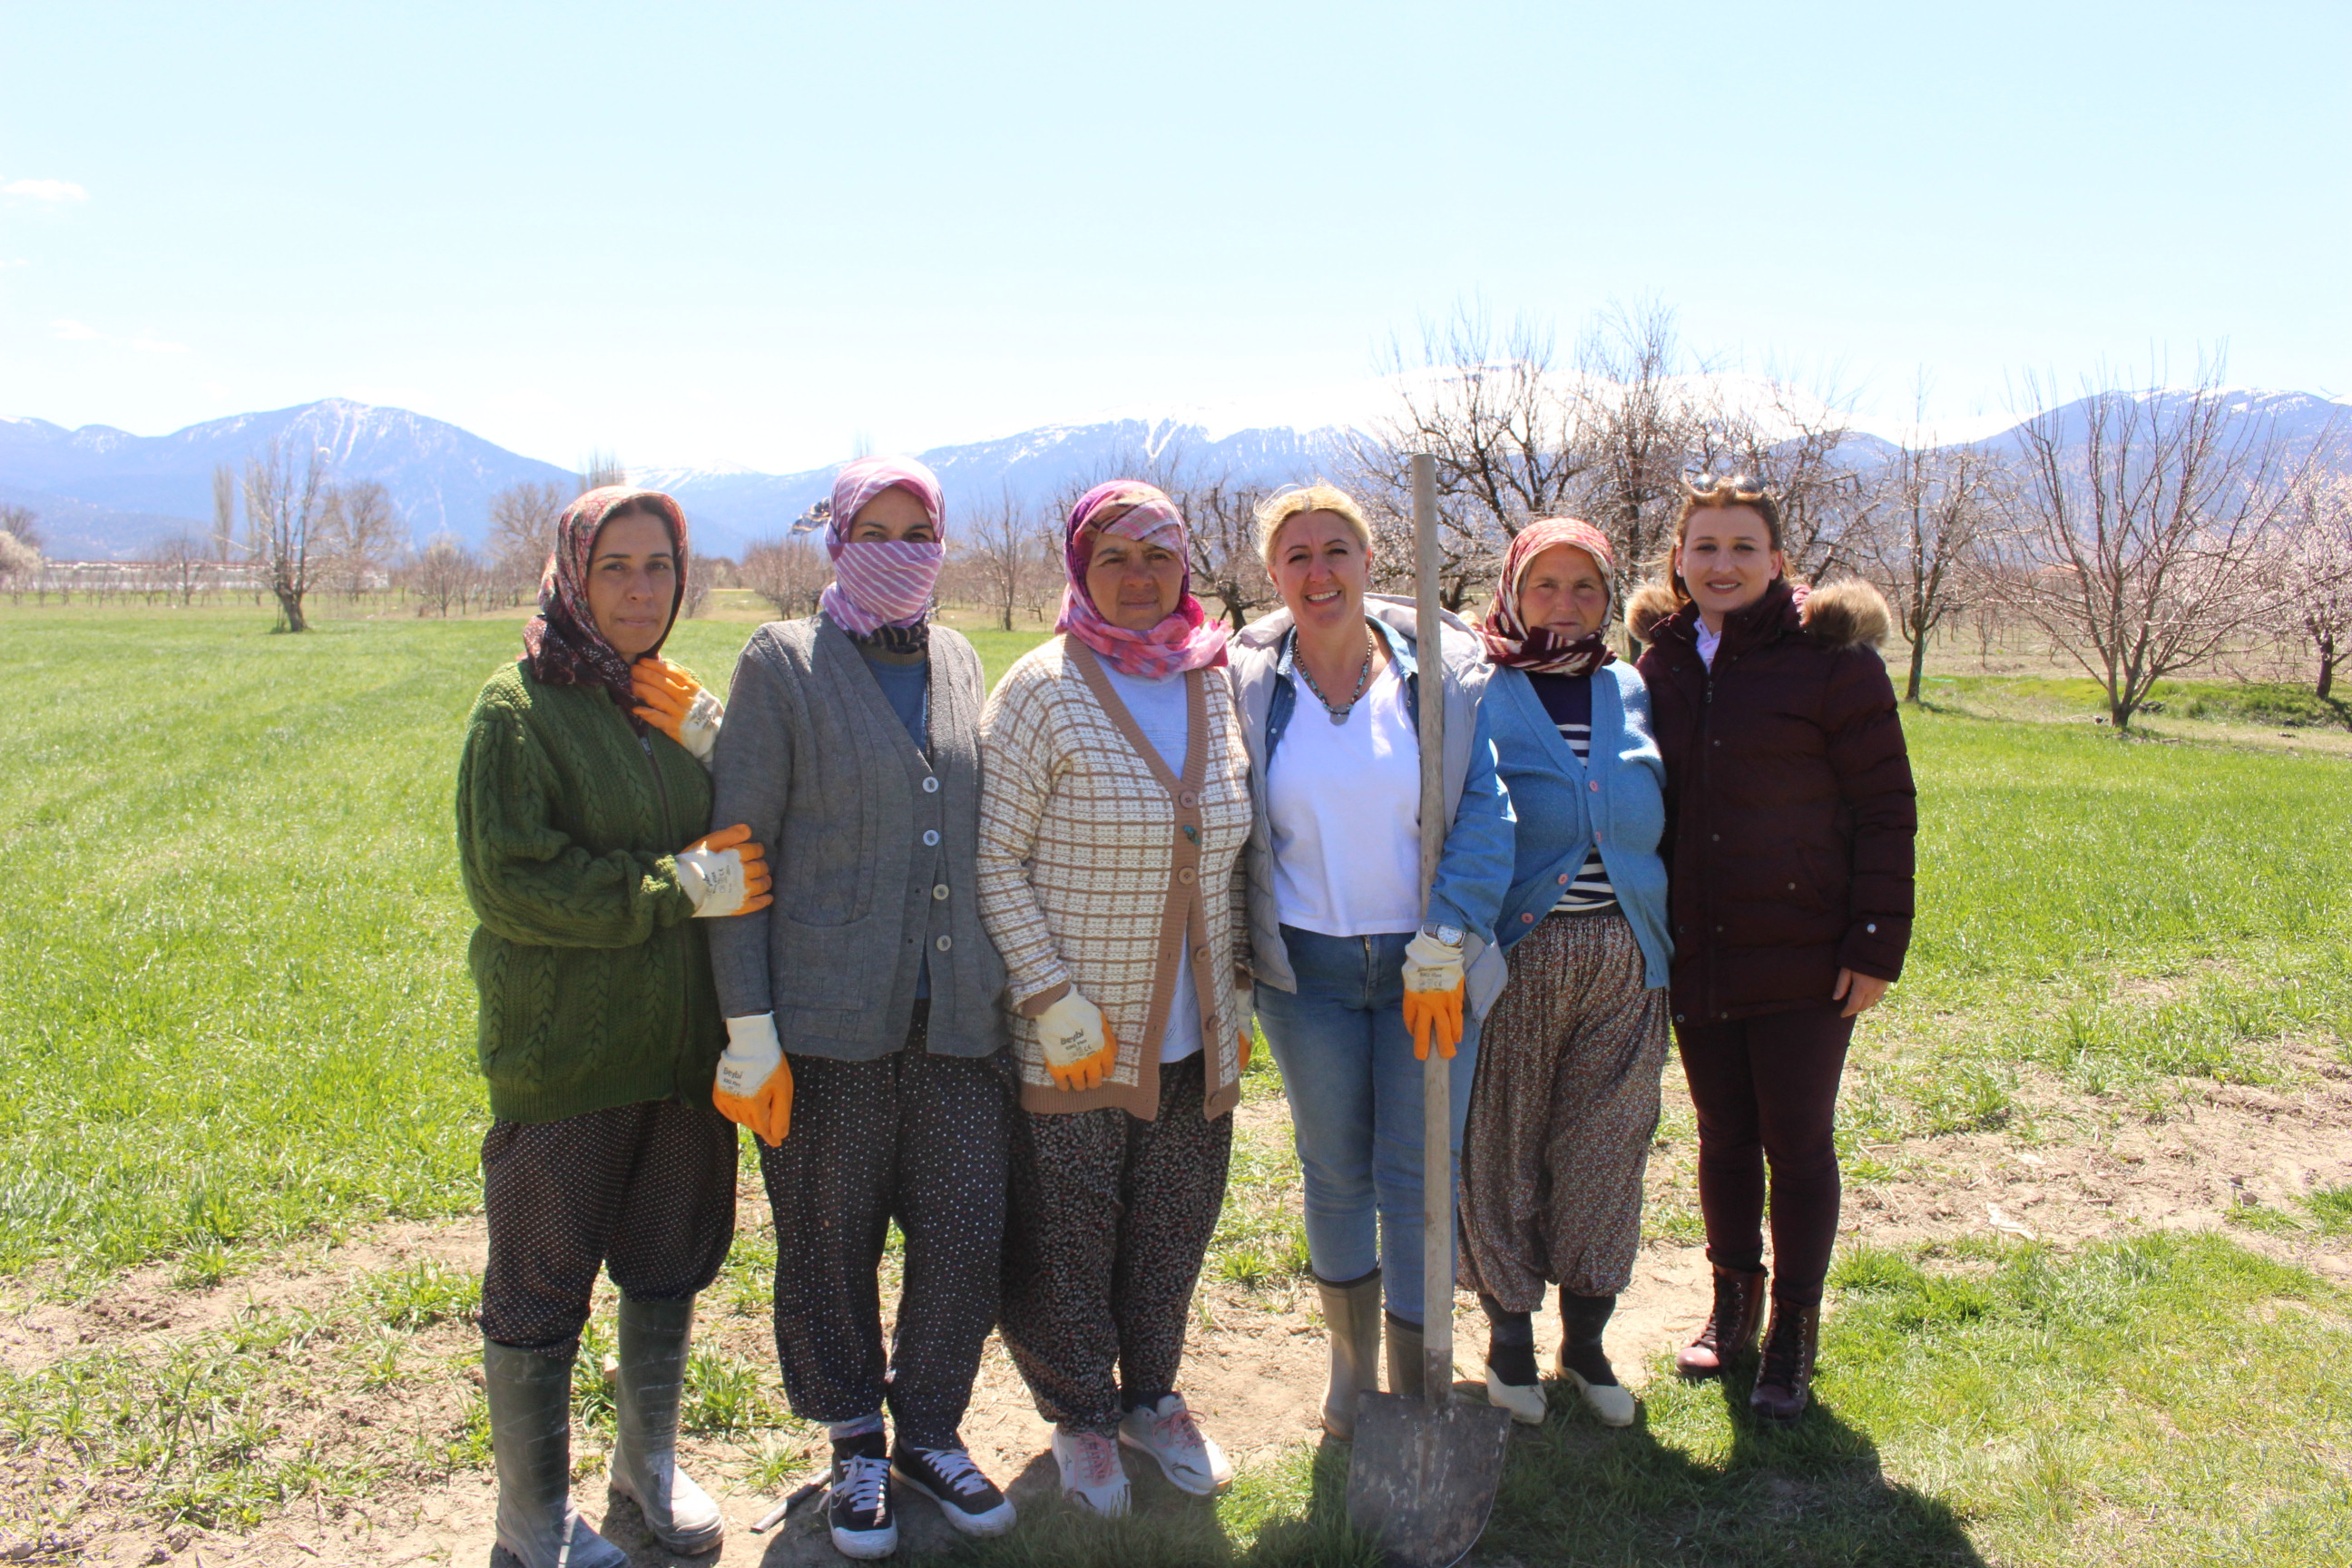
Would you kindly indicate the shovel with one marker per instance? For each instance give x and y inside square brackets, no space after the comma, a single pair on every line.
[1424,1472]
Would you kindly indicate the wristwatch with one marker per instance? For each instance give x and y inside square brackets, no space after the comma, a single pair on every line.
[1450,935]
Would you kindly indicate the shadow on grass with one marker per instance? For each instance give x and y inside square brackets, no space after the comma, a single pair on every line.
[1576,1492]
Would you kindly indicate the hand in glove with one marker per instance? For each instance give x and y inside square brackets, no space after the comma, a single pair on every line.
[754,1087]
[1433,994]
[1077,1041]
[725,874]
[674,703]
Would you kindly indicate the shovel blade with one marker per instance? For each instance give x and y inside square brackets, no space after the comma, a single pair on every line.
[1422,1477]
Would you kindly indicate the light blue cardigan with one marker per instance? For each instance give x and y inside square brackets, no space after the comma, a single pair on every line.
[1561,815]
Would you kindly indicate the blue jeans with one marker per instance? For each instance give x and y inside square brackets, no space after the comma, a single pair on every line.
[1356,1106]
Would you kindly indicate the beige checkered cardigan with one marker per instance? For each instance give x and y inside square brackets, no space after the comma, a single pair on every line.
[1094,863]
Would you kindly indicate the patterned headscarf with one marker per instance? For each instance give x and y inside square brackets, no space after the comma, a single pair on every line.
[1509,640]
[561,641]
[1185,637]
[882,582]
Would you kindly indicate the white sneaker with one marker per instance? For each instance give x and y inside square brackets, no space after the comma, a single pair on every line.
[1524,1401]
[1614,1404]
[1092,1476]
[1189,1457]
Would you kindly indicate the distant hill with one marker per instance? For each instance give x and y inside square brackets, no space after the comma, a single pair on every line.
[105,493]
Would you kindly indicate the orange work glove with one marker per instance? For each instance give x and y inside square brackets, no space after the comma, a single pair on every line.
[754,1087]
[725,874]
[674,702]
[1246,1044]
[1077,1043]
[1433,994]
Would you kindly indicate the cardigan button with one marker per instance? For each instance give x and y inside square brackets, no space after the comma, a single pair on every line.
[1564,878]
[930,786]
[944,943]
[940,891]
[1529,920]
[1188,799]
[1186,875]
[1594,786]
[931,835]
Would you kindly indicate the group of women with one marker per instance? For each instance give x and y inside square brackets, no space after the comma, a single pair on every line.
[984,966]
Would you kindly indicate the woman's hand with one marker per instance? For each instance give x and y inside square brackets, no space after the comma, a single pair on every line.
[674,702]
[725,874]
[1860,992]
[753,1085]
[1077,1043]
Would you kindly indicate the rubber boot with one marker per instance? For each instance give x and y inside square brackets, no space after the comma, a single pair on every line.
[1730,1328]
[1351,1317]
[1583,1362]
[652,1379]
[530,1397]
[1404,1358]
[1785,1380]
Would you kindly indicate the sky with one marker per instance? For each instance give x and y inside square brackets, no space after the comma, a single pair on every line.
[771,234]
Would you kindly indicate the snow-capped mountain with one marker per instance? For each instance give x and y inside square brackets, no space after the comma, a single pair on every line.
[105,492]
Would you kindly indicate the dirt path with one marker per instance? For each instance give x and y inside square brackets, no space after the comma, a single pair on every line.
[1254,1367]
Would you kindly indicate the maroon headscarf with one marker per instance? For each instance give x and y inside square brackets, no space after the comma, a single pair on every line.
[561,641]
[1510,641]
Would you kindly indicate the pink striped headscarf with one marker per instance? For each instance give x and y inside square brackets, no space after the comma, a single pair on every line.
[1185,638]
[879,584]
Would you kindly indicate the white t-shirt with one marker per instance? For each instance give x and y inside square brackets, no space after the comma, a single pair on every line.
[1162,711]
[1343,807]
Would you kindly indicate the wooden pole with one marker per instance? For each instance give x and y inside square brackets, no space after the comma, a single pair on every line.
[1436,1082]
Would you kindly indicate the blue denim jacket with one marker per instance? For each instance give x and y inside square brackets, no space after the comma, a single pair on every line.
[1474,871]
[1615,801]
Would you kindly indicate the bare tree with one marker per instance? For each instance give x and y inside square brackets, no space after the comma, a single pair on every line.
[179,564]
[1507,432]
[442,574]
[523,532]
[1799,444]
[1915,536]
[364,531]
[20,562]
[997,544]
[223,539]
[601,466]
[23,524]
[2146,520]
[789,572]
[1221,515]
[284,499]
[2318,558]
[1638,427]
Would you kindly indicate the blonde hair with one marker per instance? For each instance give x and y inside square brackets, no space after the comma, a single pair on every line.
[1283,505]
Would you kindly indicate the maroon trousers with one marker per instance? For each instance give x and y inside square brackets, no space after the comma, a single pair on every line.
[1766,1090]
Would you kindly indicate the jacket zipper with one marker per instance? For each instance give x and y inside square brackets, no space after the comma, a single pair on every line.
[1707,906]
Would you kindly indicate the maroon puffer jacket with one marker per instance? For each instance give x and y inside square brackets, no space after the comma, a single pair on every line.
[1790,808]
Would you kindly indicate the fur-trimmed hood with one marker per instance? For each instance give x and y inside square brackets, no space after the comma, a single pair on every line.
[1849,613]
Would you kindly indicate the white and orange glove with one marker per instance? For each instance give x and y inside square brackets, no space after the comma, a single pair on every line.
[754,1087]
[1433,994]
[725,874]
[1077,1043]
[674,702]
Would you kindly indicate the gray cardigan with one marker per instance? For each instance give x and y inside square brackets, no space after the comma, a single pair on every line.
[873,846]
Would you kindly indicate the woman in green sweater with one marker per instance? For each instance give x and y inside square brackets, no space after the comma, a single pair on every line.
[578,794]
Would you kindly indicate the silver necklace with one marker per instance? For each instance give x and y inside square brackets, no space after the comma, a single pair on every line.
[1363,678]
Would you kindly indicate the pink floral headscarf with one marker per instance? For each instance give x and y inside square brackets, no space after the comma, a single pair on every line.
[1509,640]
[561,641]
[1185,638]
[882,584]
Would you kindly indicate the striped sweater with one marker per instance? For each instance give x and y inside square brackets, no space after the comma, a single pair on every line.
[1095,863]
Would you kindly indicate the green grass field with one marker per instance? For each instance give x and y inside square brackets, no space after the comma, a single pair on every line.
[234,1013]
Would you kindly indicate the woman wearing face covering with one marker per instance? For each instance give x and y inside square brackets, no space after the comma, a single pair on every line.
[599,1029]
[1566,1099]
[866,1037]
[1113,814]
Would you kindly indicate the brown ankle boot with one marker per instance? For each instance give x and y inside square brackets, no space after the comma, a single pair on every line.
[1731,1328]
[1785,1380]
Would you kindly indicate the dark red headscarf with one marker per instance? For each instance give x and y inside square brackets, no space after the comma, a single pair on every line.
[1510,640]
[561,641]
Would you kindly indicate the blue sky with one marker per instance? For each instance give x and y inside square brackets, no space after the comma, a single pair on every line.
[755,232]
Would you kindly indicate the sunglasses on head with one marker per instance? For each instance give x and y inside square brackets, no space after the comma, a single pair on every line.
[1723,486]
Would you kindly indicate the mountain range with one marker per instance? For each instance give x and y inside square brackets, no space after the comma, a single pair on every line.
[103,493]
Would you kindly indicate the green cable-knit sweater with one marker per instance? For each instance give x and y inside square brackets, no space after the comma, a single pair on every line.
[594,979]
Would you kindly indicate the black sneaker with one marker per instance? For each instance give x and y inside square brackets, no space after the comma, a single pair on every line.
[970,1501]
[864,1523]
